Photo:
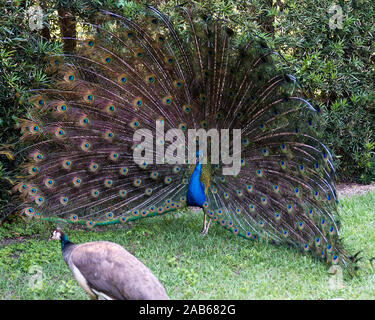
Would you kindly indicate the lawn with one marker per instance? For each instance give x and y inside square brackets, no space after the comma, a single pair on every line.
[217,266]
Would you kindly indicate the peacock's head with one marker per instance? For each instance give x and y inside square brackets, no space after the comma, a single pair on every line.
[56,234]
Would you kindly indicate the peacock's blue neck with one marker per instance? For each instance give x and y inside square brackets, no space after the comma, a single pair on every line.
[195,194]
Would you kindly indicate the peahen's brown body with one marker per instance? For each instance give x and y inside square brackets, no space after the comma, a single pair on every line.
[147,74]
[106,270]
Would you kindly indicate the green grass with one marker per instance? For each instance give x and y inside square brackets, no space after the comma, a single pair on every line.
[217,266]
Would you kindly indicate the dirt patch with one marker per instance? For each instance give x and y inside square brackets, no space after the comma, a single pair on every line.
[8,241]
[352,189]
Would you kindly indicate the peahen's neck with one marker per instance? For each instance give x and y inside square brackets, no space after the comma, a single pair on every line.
[65,242]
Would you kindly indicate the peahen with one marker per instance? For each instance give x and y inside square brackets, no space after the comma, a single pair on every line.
[89,162]
[106,270]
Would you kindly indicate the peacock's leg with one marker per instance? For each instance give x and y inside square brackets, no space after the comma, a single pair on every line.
[206,224]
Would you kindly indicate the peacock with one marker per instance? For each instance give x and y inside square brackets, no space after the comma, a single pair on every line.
[151,115]
[106,270]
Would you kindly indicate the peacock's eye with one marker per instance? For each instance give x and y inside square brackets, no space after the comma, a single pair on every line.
[64,199]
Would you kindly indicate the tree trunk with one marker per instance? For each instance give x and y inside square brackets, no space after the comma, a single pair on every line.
[67,22]
[45,31]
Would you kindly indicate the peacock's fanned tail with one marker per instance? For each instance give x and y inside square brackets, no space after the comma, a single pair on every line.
[140,74]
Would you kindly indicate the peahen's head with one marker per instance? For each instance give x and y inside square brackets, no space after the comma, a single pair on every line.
[57,234]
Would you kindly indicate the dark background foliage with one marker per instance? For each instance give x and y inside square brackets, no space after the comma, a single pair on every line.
[336,67]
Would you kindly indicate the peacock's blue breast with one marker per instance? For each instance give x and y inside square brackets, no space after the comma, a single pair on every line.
[195,194]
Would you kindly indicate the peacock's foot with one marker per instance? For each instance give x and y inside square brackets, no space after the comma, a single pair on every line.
[204,231]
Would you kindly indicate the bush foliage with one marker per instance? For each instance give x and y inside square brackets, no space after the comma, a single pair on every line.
[336,67]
